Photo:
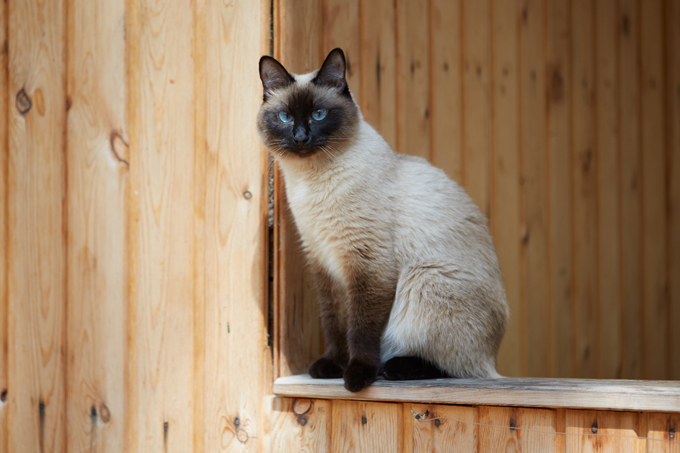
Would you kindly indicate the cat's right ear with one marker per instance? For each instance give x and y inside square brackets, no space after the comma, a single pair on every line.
[273,76]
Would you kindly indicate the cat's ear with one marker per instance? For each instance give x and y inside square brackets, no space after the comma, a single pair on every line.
[332,72]
[273,76]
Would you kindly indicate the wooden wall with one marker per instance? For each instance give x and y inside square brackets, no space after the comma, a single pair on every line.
[341,426]
[562,121]
[132,182]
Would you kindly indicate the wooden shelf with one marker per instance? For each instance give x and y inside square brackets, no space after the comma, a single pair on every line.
[658,396]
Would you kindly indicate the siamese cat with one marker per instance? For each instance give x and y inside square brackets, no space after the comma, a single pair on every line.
[408,280]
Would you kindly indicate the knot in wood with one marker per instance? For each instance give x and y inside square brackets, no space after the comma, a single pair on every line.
[23,102]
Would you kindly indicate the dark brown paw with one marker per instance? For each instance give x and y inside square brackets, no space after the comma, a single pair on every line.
[409,368]
[359,375]
[324,369]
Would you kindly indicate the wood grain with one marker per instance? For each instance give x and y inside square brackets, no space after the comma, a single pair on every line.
[528,392]
[673,156]
[559,144]
[660,428]
[534,185]
[630,189]
[342,28]
[237,362]
[4,231]
[301,424]
[413,80]
[446,75]
[505,189]
[36,254]
[97,182]
[476,37]
[162,260]
[297,330]
[584,161]
[605,431]
[366,427]
[378,67]
[653,139]
[517,436]
[608,202]
[438,428]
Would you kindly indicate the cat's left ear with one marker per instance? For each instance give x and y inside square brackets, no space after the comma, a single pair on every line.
[332,72]
[273,75]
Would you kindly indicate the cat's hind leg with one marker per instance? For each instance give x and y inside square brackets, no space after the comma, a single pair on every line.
[411,368]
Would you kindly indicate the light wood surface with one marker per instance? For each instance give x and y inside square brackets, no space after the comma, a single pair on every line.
[36,256]
[535,392]
[366,426]
[4,231]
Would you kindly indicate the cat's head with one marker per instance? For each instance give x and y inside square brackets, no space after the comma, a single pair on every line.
[303,115]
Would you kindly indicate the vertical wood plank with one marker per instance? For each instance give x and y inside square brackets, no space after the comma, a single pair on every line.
[543,422]
[559,114]
[608,234]
[297,331]
[673,121]
[630,192]
[430,433]
[36,255]
[660,427]
[366,427]
[97,183]
[342,28]
[413,80]
[603,431]
[505,167]
[162,228]
[301,424]
[534,189]
[236,367]
[4,244]
[584,194]
[477,101]
[653,136]
[379,67]
[446,90]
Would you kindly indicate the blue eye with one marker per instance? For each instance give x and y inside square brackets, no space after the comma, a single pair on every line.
[285,117]
[319,114]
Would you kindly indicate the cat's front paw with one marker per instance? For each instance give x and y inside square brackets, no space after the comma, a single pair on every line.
[324,369]
[359,375]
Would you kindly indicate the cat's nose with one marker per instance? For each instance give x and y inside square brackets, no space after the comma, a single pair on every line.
[300,136]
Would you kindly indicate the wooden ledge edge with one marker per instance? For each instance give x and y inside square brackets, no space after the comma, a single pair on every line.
[627,395]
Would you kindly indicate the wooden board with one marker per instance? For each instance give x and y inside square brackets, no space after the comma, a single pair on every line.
[446,75]
[609,233]
[630,189]
[476,100]
[519,429]
[97,179]
[162,234]
[366,427]
[301,424]
[4,231]
[378,67]
[584,191]
[297,330]
[653,142]
[534,184]
[438,428]
[413,81]
[606,432]
[559,144]
[505,189]
[342,28]
[660,428]
[36,254]
[236,365]
[673,156]
[533,392]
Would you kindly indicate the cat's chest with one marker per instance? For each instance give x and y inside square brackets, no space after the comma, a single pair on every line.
[323,225]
